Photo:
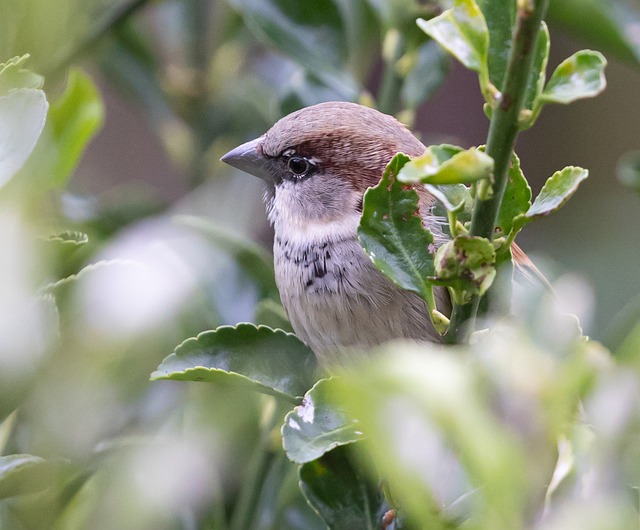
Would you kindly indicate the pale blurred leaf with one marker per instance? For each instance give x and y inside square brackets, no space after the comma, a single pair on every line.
[68,238]
[12,76]
[22,474]
[22,117]
[253,259]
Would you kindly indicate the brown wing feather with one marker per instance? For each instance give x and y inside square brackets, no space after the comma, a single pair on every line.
[527,268]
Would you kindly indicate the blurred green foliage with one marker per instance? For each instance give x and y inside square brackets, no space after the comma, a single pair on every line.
[93,296]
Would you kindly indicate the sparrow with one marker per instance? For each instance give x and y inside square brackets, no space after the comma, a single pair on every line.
[317,163]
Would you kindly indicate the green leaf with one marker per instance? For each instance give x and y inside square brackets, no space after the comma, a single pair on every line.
[265,360]
[63,245]
[453,198]
[430,416]
[24,474]
[68,238]
[579,76]
[74,119]
[462,31]
[22,117]
[339,493]
[59,286]
[500,16]
[628,170]
[392,234]
[317,425]
[516,199]
[555,193]
[467,266]
[463,167]
[454,203]
[18,377]
[538,74]
[311,33]
[13,76]
[455,404]
[421,410]
[253,259]
[444,152]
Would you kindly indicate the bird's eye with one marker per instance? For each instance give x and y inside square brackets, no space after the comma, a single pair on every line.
[298,165]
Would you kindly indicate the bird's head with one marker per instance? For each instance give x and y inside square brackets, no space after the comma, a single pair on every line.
[318,161]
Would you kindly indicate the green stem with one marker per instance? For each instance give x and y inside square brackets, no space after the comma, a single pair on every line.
[504,125]
[501,140]
[429,298]
[462,318]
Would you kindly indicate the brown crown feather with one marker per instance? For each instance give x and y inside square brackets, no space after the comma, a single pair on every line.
[344,138]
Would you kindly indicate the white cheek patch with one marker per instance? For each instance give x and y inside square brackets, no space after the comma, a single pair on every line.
[311,232]
[288,212]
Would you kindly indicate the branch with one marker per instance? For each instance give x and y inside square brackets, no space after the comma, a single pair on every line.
[501,140]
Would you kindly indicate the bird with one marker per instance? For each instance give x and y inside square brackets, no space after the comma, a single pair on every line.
[317,163]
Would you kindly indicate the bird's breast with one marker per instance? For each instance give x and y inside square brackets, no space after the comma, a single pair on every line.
[336,298]
[317,267]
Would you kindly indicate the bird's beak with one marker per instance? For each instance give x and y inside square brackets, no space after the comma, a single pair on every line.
[249,158]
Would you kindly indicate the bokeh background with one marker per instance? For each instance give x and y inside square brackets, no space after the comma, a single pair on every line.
[183,81]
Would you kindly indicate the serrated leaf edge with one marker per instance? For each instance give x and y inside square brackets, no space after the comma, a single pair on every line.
[51,287]
[158,375]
